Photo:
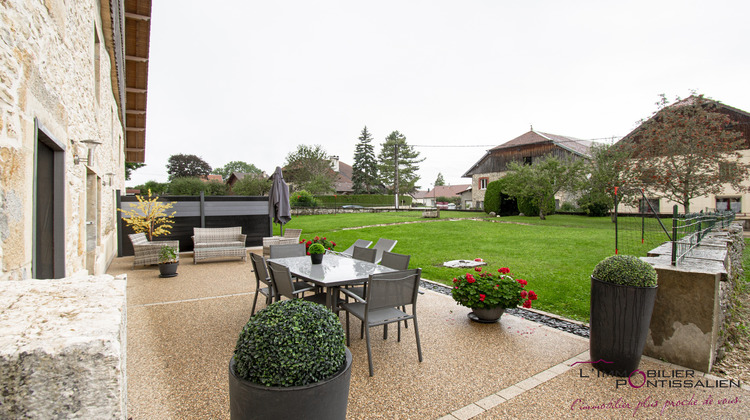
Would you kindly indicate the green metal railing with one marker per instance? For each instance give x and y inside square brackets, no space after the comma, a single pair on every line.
[689,229]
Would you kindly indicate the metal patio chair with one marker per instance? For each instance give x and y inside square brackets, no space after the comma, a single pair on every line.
[386,293]
[285,286]
[383,245]
[349,251]
[289,250]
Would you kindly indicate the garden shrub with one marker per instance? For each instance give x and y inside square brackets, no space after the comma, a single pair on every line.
[626,270]
[493,197]
[528,207]
[303,198]
[290,343]
[194,186]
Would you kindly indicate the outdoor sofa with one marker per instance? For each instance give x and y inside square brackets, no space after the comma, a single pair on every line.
[218,242]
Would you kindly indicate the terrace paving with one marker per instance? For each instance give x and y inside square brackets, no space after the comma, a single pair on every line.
[181,333]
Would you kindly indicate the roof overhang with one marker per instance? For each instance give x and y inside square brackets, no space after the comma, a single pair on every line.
[127,30]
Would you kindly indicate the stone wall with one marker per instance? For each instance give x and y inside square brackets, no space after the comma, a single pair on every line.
[693,300]
[53,70]
[62,348]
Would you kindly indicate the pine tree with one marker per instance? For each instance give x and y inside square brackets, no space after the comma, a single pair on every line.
[408,160]
[365,168]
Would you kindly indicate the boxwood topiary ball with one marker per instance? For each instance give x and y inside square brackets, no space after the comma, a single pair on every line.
[626,270]
[290,343]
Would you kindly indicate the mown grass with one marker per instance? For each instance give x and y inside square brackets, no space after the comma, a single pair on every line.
[555,256]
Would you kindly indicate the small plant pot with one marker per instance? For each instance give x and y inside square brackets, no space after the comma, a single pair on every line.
[486,315]
[316,258]
[168,269]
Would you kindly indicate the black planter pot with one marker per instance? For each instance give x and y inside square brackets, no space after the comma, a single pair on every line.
[168,269]
[322,400]
[619,322]
[316,258]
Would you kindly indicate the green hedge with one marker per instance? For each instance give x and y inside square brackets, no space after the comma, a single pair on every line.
[365,200]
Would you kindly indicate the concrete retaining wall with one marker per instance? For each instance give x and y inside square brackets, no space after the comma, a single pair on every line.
[62,348]
[693,300]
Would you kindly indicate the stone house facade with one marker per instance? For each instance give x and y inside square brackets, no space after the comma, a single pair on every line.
[524,149]
[66,130]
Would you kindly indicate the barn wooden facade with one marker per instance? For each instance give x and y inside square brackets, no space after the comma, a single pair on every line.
[525,149]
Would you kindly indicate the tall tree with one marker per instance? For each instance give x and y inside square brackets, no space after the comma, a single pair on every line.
[365,168]
[309,168]
[540,181]
[408,164]
[603,175]
[686,150]
[439,181]
[182,166]
[236,166]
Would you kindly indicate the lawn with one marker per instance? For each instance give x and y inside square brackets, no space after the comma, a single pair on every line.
[555,256]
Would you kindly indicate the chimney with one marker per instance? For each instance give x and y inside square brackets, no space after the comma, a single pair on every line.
[335,163]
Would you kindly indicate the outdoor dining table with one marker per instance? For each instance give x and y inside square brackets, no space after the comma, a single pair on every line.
[333,272]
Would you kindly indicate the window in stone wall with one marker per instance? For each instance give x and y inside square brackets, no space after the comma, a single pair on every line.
[483,183]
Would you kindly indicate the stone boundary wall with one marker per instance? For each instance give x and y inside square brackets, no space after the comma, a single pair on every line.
[62,348]
[694,299]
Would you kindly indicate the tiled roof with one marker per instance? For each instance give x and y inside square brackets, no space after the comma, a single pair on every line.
[443,191]
[572,144]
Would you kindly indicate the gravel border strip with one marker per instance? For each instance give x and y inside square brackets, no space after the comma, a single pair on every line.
[556,323]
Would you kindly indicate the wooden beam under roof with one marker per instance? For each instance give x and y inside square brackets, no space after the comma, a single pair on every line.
[136,16]
[136,111]
[135,149]
[135,58]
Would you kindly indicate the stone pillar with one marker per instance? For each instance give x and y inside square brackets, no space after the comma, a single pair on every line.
[685,322]
[62,348]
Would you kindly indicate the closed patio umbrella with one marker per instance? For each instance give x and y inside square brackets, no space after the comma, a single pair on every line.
[278,200]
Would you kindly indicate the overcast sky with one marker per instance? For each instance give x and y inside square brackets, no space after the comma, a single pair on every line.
[251,80]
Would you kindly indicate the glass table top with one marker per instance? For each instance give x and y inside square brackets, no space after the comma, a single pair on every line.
[335,270]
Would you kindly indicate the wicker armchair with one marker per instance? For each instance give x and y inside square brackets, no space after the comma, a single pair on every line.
[291,236]
[147,252]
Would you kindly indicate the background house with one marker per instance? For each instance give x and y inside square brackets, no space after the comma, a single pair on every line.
[343,183]
[524,149]
[430,198]
[73,111]
[729,198]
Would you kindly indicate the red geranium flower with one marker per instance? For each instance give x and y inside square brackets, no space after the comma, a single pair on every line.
[477,268]
[522,282]
[523,294]
[478,259]
[504,270]
[470,278]
[481,297]
[527,304]
[532,295]
[455,280]
[308,243]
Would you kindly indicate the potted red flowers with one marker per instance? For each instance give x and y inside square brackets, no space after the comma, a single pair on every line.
[327,245]
[489,293]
